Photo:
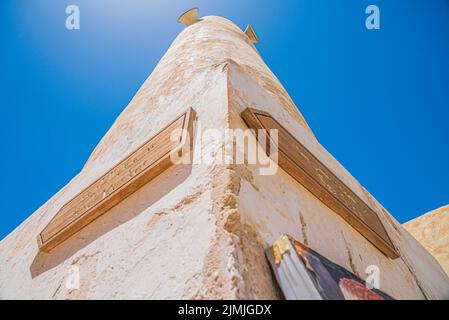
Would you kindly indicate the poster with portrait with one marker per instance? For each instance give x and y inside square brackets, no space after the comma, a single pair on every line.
[302,273]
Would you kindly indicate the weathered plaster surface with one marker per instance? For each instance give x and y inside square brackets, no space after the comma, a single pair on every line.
[432,231]
[199,231]
[179,236]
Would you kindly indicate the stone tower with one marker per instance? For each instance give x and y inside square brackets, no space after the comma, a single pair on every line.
[199,231]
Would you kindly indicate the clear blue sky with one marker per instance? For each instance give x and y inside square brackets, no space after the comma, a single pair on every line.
[377,100]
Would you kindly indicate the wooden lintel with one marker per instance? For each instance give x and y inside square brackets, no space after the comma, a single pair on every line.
[295,159]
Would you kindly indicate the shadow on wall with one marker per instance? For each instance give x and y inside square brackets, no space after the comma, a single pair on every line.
[128,209]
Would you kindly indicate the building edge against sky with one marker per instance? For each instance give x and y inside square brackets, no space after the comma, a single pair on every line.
[200,231]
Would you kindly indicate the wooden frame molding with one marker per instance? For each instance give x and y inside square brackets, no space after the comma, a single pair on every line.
[144,164]
[295,159]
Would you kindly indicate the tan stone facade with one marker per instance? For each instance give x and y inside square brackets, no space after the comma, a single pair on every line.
[199,231]
[432,231]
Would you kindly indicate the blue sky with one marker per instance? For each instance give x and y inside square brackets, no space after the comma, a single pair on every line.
[377,100]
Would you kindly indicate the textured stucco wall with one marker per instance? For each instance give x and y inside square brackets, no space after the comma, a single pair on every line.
[199,231]
[432,231]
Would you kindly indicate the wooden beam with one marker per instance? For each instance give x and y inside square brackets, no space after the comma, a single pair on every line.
[141,166]
[295,159]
